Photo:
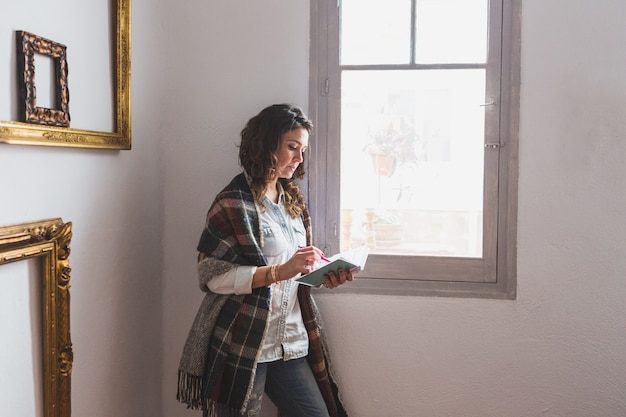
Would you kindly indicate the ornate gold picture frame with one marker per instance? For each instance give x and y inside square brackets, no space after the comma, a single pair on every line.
[27,45]
[49,241]
[20,132]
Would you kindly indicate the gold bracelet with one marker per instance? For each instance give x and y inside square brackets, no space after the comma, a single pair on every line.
[273,269]
[267,276]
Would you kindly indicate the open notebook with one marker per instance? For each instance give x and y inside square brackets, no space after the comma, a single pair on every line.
[353,260]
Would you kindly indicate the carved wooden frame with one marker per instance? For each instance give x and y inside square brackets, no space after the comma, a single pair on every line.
[27,45]
[49,241]
[16,132]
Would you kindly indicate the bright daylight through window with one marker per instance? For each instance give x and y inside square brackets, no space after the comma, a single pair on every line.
[415,103]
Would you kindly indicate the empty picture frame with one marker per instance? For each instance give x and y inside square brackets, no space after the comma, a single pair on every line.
[48,241]
[22,133]
[27,45]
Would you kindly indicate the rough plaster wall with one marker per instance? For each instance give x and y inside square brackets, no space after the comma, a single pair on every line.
[560,348]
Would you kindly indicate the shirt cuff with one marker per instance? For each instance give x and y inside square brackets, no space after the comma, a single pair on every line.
[236,281]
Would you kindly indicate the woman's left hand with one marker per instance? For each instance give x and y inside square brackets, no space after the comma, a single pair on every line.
[335,279]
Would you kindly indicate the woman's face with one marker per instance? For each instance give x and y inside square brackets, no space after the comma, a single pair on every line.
[290,152]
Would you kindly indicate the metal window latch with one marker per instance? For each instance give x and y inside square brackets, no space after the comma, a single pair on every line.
[492,145]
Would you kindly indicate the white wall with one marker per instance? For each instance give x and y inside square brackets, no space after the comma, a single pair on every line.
[114,200]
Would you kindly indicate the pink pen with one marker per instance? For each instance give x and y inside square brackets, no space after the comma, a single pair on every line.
[322,256]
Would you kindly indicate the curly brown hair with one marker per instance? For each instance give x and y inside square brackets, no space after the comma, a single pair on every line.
[258,152]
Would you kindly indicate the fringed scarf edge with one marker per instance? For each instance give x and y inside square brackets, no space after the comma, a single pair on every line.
[190,388]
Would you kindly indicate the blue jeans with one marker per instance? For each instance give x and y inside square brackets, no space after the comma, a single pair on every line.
[292,388]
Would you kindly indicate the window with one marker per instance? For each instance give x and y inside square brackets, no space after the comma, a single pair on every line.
[414,154]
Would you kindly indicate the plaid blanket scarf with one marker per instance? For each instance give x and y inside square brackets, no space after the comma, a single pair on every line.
[220,355]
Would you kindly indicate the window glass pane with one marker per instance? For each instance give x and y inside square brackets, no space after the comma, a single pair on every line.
[451,31]
[375,32]
[412,147]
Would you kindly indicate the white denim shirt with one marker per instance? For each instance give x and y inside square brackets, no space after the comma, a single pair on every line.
[286,337]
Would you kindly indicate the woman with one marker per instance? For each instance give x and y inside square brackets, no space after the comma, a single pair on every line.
[257,330]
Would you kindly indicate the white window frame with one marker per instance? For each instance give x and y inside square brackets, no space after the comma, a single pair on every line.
[494,274]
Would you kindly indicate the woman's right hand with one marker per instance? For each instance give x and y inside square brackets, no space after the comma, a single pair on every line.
[302,262]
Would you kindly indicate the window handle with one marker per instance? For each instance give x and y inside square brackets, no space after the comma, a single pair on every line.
[489,103]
